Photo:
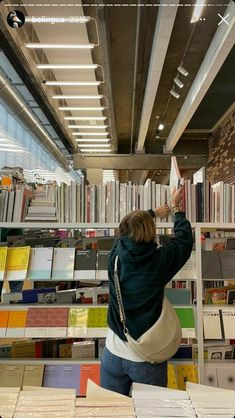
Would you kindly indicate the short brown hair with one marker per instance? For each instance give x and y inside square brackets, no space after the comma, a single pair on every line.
[138,226]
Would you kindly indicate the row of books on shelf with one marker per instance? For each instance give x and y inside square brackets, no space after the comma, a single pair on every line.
[67,376]
[219,323]
[54,348]
[18,263]
[77,348]
[82,322]
[110,202]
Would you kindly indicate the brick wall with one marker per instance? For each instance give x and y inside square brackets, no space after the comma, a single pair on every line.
[221,161]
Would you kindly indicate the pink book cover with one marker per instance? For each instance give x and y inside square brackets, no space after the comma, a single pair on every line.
[36,317]
[57,317]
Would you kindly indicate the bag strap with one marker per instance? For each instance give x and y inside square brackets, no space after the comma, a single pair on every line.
[119,296]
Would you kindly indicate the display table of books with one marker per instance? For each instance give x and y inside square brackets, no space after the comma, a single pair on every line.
[146,401]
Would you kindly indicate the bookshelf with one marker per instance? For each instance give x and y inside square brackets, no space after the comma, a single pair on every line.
[199,308]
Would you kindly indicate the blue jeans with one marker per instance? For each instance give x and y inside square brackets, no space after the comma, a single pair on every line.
[118,374]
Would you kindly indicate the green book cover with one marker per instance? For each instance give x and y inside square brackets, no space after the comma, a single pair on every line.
[186,317]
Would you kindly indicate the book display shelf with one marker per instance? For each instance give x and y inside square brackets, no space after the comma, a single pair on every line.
[200,322]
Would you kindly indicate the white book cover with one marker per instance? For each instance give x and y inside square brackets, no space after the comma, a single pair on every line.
[141,194]
[226,380]
[73,201]
[134,197]
[212,324]
[40,263]
[113,200]
[5,205]
[123,200]
[62,209]
[63,263]
[103,203]
[117,197]
[211,378]
[165,412]
[174,174]
[143,391]
[78,203]
[158,195]
[229,322]
[10,206]
[218,189]
[129,198]
[188,271]
[18,205]
[92,203]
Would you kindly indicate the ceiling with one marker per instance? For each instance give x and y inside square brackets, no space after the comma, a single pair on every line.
[138,49]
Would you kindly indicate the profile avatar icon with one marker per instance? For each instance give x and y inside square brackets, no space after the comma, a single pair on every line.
[15,19]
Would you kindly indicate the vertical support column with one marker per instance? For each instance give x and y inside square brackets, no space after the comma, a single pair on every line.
[95,175]
[199,310]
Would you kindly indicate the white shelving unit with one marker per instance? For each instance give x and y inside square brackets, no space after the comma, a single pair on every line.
[199,308]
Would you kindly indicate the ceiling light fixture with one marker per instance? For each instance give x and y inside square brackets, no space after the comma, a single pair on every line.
[61,96]
[59,46]
[161,127]
[178,82]
[81,108]
[85,117]
[182,70]
[67,66]
[90,133]
[88,126]
[94,145]
[95,150]
[93,140]
[174,93]
[72,83]
[85,140]
[197,11]
[12,150]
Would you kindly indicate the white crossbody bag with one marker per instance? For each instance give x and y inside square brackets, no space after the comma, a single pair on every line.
[162,340]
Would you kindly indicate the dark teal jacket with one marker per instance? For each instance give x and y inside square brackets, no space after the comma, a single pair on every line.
[144,269]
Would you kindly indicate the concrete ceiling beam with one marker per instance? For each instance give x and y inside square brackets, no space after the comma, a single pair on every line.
[162,35]
[137,162]
[218,51]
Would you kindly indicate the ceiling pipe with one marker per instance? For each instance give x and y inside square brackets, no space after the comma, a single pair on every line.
[19,109]
[218,51]
[164,25]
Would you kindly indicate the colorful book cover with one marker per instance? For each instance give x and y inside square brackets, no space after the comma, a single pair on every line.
[17,263]
[186,373]
[187,321]
[36,323]
[57,322]
[97,317]
[62,376]
[88,371]
[16,324]
[40,263]
[3,258]
[171,377]
[63,263]
[4,315]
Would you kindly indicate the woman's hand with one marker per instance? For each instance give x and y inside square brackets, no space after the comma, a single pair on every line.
[176,197]
[162,211]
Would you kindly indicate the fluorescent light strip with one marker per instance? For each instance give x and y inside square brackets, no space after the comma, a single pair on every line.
[68,108]
[94,145]
[94,150]
[90,133]
[197,11]
[88,126]
[12,150]
[67,67]
[72,83]
[85,117]
[59,46]
[85,140]
[61,96]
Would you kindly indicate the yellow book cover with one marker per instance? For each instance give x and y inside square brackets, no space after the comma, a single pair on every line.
[186,373]
[17,319]
[17,263]
[171,377]
[97,317]
[3,258]
[78,317]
